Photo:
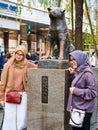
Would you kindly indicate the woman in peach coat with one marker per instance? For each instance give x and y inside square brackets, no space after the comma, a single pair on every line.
[14,78]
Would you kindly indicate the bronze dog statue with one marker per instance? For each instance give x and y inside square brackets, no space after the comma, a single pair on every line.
[58,35]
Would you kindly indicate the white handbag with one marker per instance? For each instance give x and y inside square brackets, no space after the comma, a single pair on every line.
[77,117]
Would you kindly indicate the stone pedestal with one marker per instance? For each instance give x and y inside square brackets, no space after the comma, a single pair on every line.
[47,99]
[53,64]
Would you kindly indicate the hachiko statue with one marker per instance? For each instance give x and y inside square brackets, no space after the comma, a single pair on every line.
[58,35]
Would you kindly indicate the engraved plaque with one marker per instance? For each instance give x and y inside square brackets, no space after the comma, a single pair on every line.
[44,89]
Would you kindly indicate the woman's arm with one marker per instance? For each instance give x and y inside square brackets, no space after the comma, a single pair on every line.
[89,91]
[32,65]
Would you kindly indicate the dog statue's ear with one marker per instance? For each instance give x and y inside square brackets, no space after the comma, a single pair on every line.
[63,10]
[49,9]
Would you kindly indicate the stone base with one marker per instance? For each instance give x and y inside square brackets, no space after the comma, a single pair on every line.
[47,99]
[53,64]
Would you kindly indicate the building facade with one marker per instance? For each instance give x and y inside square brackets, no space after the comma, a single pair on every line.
[17,20]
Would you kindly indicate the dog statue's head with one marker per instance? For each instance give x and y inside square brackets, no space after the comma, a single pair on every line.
[56,12]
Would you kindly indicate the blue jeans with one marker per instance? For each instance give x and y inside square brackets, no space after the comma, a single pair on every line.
[86,123]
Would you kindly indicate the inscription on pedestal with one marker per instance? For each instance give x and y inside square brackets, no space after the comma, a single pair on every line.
[44,89]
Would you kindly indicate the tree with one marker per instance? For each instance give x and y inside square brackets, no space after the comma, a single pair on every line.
[72,17]
[78,24]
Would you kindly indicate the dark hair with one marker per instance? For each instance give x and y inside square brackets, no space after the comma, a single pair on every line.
[93,53]
[38,49]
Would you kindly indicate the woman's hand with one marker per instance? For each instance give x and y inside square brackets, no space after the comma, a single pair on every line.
[71,70]
[72,89]
[2,103]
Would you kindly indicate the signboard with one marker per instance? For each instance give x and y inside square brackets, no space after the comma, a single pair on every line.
[7,6]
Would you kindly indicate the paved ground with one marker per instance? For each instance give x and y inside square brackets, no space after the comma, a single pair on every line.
[94,121]
[94,126]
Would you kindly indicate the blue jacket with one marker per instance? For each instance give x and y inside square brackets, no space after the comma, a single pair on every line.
[1,60]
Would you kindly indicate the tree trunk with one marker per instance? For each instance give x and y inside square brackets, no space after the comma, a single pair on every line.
[97,27]
[72,17]
[78,24]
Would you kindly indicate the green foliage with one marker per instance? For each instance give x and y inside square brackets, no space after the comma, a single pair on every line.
[50,3]
[88,40]
[30,4]
[96,36]
[45,3]
[20,6]
[68,7]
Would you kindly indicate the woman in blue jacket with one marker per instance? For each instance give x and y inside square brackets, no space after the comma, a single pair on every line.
[83,92]
[2,61]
